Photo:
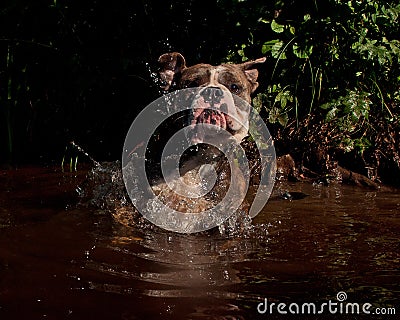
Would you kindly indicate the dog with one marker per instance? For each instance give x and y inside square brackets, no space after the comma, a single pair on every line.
[220,98]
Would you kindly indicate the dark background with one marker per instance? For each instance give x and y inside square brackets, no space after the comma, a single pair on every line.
[81,70]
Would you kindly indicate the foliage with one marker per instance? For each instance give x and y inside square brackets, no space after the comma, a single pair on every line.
[335,62]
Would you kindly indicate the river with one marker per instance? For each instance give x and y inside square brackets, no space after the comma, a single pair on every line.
[62,261]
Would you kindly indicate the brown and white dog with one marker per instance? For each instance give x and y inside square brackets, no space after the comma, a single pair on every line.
[222,98]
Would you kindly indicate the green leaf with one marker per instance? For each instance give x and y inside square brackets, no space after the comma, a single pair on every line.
[283,102]
[331,114]
[362,144]
[267,46]
[242,54]
[276,27]
[283,97]
[302,53]
[347,144]
[373,16]
[277,50]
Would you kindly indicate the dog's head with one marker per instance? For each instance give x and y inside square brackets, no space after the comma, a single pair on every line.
[218,87]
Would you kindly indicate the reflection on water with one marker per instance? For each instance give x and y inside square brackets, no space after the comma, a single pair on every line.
[58,261]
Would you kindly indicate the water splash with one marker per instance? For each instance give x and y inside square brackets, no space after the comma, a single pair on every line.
[104,189]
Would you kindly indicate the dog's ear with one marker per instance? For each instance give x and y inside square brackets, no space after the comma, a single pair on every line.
[170,65]
[252,73]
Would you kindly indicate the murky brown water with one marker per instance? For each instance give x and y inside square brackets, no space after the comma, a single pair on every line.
[62,262]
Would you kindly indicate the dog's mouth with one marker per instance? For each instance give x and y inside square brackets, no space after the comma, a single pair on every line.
[208,118]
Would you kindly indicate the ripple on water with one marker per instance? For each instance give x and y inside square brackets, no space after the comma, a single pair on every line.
[80,262]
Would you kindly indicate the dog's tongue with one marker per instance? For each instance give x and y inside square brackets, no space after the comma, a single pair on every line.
[208,116]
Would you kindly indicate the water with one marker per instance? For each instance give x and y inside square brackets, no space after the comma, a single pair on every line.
[60,261]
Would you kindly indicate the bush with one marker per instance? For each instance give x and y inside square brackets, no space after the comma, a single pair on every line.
[335,78]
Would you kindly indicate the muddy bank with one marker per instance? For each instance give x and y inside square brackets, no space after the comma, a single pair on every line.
[317,150]
[320,167]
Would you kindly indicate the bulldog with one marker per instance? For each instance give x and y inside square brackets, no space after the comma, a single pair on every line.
[223,92]
[202,195]
[220,98]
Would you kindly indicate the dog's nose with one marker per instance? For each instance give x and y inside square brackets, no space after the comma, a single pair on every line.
[212,95]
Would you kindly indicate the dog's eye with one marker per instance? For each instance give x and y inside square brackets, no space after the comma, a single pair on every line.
[234,88]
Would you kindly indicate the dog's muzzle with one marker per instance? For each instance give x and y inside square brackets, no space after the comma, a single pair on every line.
[211,106]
